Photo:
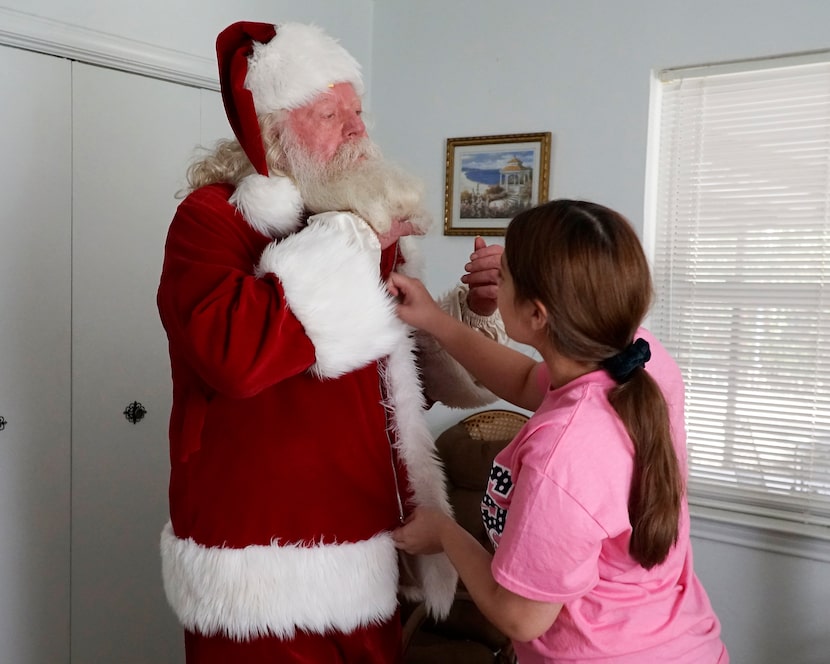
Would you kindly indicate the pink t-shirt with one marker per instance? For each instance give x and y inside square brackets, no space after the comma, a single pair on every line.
[556,510]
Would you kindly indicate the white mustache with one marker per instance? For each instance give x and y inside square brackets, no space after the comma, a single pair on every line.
[360,180]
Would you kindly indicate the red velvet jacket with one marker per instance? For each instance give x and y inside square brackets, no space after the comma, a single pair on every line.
[296,437]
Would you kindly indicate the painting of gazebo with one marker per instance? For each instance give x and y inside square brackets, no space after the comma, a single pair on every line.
[491,179]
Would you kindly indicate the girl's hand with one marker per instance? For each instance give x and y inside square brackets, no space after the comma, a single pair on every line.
[422,531]
[415,305]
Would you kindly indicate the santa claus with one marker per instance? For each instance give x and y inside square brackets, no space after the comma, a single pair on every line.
[297,437]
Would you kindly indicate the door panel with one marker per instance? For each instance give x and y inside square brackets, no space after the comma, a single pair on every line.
[34,357]
[133,137]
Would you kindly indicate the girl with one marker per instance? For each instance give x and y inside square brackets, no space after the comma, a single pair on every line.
[586,507]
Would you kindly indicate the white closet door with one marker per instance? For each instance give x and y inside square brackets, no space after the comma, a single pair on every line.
[34,357]
[133,137]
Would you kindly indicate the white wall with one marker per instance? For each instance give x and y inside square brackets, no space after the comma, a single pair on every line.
[581,69]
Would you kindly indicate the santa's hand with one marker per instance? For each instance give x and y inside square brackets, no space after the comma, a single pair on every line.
[482,276]
[399,228]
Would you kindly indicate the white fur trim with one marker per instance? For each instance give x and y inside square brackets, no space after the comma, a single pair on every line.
[411,251]
[416,447]
[331,277]
[299,63]
[275,590]
[271,205]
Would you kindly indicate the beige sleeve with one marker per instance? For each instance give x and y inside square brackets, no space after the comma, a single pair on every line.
[444,379]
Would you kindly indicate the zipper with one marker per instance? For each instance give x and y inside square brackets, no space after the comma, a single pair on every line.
[387,410]
[388,415]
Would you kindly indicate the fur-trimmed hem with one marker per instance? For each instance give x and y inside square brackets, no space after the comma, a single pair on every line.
[275,590]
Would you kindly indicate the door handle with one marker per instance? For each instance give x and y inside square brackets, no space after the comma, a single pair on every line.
[135,412]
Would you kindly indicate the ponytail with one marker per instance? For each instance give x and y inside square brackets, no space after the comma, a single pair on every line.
[656,482]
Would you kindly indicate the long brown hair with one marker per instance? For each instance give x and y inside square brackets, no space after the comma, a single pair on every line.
[584,262]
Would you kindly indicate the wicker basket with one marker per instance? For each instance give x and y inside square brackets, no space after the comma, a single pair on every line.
[494,424]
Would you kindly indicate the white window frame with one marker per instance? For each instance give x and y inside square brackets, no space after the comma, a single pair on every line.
[720,513]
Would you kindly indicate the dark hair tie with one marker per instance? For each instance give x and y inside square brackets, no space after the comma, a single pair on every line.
[622,365]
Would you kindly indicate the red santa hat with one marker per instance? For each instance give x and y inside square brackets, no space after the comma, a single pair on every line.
[265,68]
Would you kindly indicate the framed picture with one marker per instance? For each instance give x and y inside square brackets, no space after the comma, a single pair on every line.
[490,179]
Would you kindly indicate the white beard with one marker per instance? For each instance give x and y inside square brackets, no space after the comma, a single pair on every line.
[360,180]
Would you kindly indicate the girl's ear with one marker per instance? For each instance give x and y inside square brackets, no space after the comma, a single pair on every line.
[538,316]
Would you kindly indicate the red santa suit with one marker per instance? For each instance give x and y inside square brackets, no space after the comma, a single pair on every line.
[297,440]
[297,436]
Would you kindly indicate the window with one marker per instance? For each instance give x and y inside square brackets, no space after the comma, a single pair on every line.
[738,230]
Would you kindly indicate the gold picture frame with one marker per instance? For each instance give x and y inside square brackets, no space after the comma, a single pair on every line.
[490,179]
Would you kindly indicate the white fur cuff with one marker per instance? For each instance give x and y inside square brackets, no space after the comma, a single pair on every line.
[331,276]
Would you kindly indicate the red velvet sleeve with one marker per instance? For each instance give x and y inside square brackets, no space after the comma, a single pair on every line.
[232,328]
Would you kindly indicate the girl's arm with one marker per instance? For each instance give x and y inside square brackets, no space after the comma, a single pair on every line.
[506,372]
[429,530]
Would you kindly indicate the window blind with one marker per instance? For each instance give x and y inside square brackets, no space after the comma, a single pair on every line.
[741,262]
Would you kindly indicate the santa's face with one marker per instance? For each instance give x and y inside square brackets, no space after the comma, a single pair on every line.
[324,148]
[330,121]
